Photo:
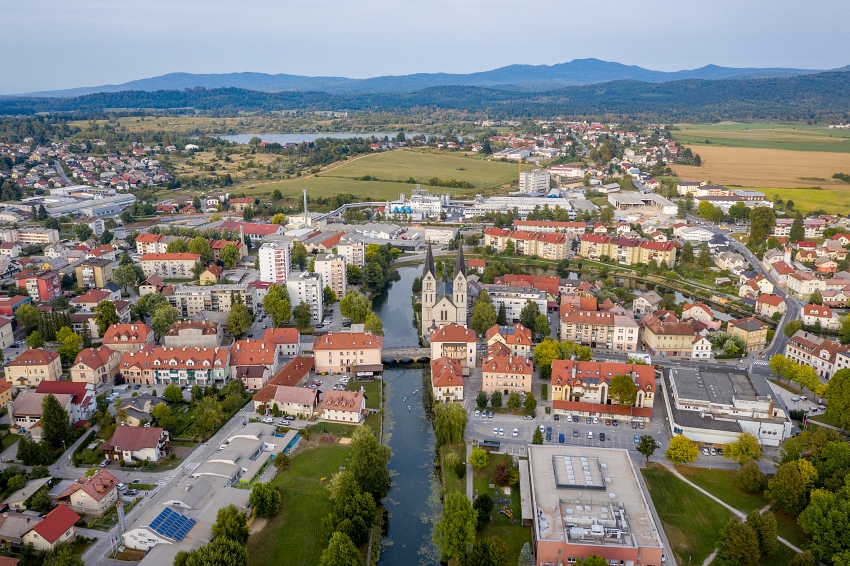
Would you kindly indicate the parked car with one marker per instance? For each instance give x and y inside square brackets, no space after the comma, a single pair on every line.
[477,413]
[614,422]
[575,432]
[516,432]
[561,437]
[501,432]
[490,415]
[121,486]
[268,420]
[712,451]
[637,439]
[556,417]
[720,452]
[601,436]
[595,420]
[588,420]
[634,425]
[704,451]
[527,418]
[590,434]
[285,423]
[495,431]
[607,422]
[137,387]
[105,463]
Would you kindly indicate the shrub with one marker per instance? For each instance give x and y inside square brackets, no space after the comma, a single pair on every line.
[479,458]
[502,474]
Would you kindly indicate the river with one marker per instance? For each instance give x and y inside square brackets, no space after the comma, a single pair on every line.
[414,499]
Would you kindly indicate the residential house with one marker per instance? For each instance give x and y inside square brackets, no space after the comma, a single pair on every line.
[138,409]
[10,249]
[7,333]
[94,273]
[517,338]
[54,528]
[27,411]
[344,406]
[768,305]
[129,337]
[455,342]
[17,501]
[294,373]
[41,286]
[194,333]
[668,338]
[32,367]
[582,389]
[83,402]
[210,275]
[729,261]
[93,495]
[476,265]
[254,362]
[240,204]
[301,401]
[752,330]
[218,245]
[825,356]
[286,341]
[446,380]
[647,303]
[344,352]
[820,316]
[180,366]
[190,300]
[136,444]
[5,394]
[9,305]
[96,365]
[701,348]
[514,298]
[504,372]
[89,300]
[801,285]
[600,330]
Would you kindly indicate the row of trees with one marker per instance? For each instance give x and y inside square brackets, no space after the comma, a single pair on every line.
[515,401]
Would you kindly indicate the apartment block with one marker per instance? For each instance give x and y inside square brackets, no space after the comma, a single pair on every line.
[190,300]
[307,288]
[94,273]
[41,286]
[275,261]
[353,252]
[332,269]
[627,251]
[181,366]
[174,266]
[600,330]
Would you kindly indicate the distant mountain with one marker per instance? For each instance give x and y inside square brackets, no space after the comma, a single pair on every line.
[528,78]
[801,96]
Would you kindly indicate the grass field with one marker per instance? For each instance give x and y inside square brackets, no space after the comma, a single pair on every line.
[759,167]
[397,167]
[794,137]
[373,392]
[450,480]
[721,484]
[294,532]
[835,201]
[692,521]
[512,532]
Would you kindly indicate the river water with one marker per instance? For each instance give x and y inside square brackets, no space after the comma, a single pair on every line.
[414,499]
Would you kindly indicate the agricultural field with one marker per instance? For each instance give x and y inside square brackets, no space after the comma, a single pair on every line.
[758,167]
[834,201]
[764,135]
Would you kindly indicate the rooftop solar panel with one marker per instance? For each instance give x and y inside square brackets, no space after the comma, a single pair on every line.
[172,524]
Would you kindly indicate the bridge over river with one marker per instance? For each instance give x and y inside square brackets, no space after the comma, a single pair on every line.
[405,355]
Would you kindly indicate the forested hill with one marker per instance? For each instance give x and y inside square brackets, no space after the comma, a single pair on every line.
[803,96]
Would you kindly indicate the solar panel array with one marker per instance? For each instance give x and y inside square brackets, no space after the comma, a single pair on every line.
[172,524]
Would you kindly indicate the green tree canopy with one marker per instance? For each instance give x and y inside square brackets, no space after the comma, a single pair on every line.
[528,314]
[172,393]
[786,491]
[105,316]
[355,306]
[231,524]
[55,422]
[483,313]
[239,320]
[230,255]
[302,315]
[265,499]
[681,450]
[740,545]
[368,462]
[278,304]
[455,531]
[340,552]
[838,395]
[374,325]
[623,390]
[647,446]
[744,449]
[201,246]
[449,423]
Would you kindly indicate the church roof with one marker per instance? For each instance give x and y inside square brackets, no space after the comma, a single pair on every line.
[429,263]
[460,264]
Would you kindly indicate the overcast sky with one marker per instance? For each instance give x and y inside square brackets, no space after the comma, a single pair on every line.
[62,44]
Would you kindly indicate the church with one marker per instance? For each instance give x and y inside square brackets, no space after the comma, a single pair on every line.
[444,302]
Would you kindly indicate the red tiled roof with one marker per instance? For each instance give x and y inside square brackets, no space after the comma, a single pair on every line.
[56,523]
[507,364]
[294,371]
[96,486]
[148,357]
[252,353]
[351,401]
[135,333]
[446,372]
[819,311]
[133,438]
[171,257]
[347,340]
[149,238]
[453,333]
[497,232]
[76,389]
[281,335]
[773,300]
[624,410]
[603,371]
[95,358]
[34,358]
[220,244]
[91,296]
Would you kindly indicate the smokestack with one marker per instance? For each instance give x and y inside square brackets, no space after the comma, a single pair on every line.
[242,237]
[305,208]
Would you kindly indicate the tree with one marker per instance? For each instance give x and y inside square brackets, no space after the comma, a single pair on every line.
[353,509]
[762,221]
[483,313]
[239,320]
[230,255]
[40,501]
[530,403]
[481,400]
[106,237]
[739,211]
[779,365]
[749,478]
[455,531]
[231,524]
[798,232]
[647,446]
[703,260]
[302,315]
[55,423]
[806,558]
[541,326]
[764,525]
[681,450]
[592,560]
[279,218]
[340,552]
[248,213]
[479,458]
[786,491]
[740,545]
[528,314]
[537,437]
[526,557]
[449,423]
[838,395]
[483,506]
[70,345]
[368,463]
[172,393]
[514,401]
[374,325]
[265,499]
[35,341]
[827,521]
[29,316]
[83,232]
[792,326]
[354,275]
[124,276]
[355,306]
[491,551]
[178,246]
[105,316]
[510,248]
[222,552]
[687,255]
[329,297]
[544,353]
[502,317]
[744,449]
[623,390]
[496,399]
[299,255]
[61,555]
[164,316]
[816,298]
[282,461]
[277,304]
[163,415]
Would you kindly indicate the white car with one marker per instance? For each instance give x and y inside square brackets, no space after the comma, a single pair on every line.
[516,432]
[495,431]
[268,420]
[705,451]
[477,413]
[121,486]
[285,423]
[501,432]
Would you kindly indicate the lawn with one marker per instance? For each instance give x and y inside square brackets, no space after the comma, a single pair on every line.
[294,532]
[373,392]
[450,480]
[8,440]
[340,429]
[794,137]
[721,484]
[692,521]
[822,418]
[785,385]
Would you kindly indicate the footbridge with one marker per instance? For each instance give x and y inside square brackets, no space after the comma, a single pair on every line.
[405,355]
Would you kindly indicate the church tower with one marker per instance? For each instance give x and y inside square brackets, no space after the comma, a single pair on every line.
[429,289]
[460,291]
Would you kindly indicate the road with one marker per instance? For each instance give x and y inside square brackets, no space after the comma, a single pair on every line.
[61,171]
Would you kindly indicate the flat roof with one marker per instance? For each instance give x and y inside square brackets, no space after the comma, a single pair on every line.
[604,503]
[712,387]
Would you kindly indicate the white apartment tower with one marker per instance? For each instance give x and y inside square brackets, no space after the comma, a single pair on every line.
[332,269]
[275,261]
[534,181]
[353,252]
[307,288]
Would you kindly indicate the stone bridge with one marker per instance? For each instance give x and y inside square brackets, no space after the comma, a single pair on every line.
[405,355]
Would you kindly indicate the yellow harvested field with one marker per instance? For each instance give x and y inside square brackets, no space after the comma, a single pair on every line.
[755,167]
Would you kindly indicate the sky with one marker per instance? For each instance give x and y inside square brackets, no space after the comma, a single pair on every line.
[60,44]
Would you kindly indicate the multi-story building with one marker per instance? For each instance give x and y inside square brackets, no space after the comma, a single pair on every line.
[332,269]
[504,372]
[7,332]
[672,338]
[27,410]
[193,333]
[768,305]
[180,366]
[10,305]
[752,330]
[83,402]
[175,266]
[344,352]
[137,444]
[254,362]
[93,495]
[825,356]
[455,342]
[275,261]
[32,367]
[240,204]
[446,380]
[96,365]
[599,329]
[627,251]
[582,389]
[801,285]
[812,228]
[353,252]
[190,300]
[569,229]
[517,338]
[217,245]
[129,337]
[94,273]
[254,231]
[535,181]
[10,249]
[41,286]
[820,315]
[515,298]
[30,236]
[440,234]
[307,287]
[344,406]
[548,245]
[97,225]
[287,341]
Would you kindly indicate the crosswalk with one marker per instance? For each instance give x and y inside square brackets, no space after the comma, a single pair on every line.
[162,482]
[192,465]
[760,363]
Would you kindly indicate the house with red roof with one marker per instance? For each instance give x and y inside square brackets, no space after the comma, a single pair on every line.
[346,351]
[93,495]
[96,365]
[582,389]
[455,342]
[83,402]
[218,245]
[476,265]
[768,305]
[447,380]
[502,371]
[517,338]
[137,444]
[254,362]
[344,406]
[287,341]
[822,315]
[128,337]
[54,528]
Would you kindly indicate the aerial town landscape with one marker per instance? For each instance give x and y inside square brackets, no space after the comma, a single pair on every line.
[584,313]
